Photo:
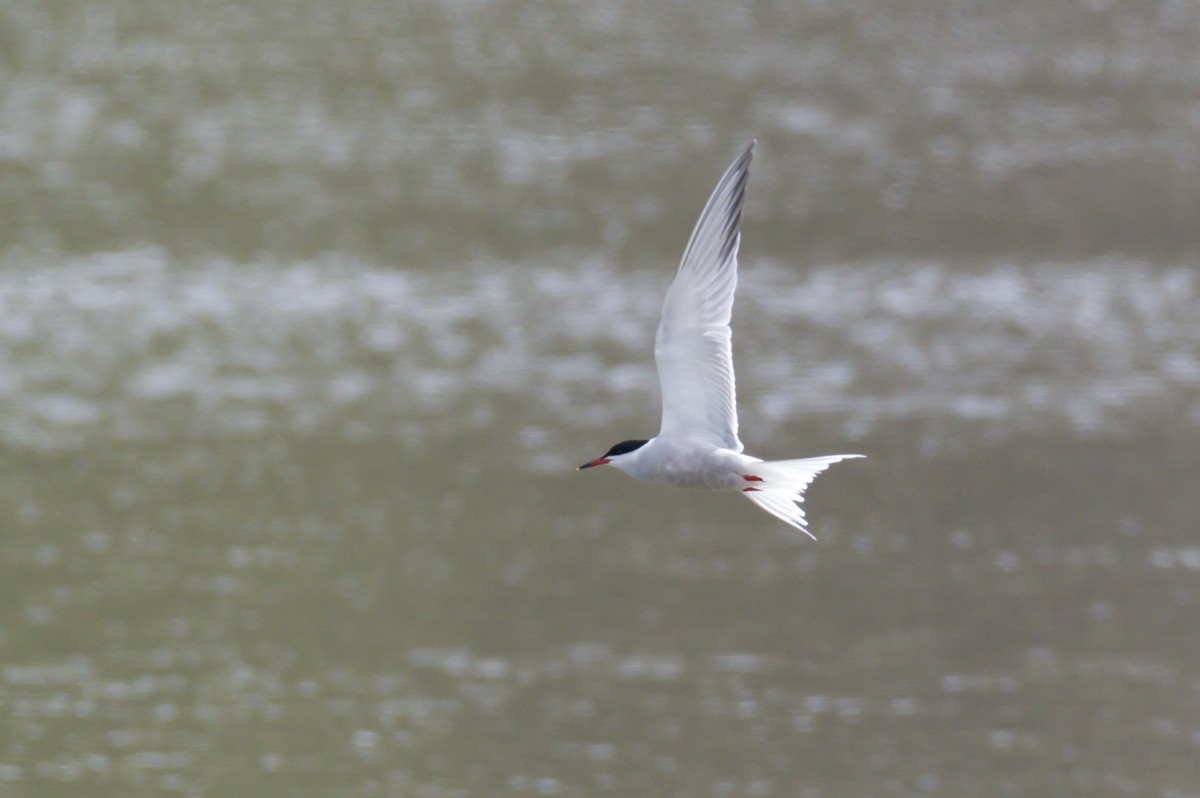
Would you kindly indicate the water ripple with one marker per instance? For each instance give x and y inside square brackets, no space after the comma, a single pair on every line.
[128,341]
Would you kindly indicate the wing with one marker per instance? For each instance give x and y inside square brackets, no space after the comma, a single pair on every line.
[693,346]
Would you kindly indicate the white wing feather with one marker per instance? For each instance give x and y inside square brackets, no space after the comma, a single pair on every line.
[693,346]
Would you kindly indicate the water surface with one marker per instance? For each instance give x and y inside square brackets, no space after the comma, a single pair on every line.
[308,313]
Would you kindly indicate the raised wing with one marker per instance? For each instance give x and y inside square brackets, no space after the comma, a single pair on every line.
[693,346]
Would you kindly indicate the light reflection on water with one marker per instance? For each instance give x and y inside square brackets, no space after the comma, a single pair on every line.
[125,342]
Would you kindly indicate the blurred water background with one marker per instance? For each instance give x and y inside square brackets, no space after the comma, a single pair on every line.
[308,310]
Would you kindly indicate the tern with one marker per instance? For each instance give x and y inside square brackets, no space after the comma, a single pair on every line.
[697,445]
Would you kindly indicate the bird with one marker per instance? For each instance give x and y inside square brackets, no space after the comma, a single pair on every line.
[697,445]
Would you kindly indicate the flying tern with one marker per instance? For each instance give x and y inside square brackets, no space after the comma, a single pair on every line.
[697,445]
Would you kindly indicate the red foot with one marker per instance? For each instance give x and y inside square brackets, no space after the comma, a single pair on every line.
[751,478]
[751,490]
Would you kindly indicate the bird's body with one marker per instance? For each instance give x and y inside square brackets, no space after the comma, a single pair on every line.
[683,463]
[698,444]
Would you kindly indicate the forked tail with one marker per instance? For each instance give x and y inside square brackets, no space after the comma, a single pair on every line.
[778,486]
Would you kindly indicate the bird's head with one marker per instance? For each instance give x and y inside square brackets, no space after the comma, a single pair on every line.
[621,449]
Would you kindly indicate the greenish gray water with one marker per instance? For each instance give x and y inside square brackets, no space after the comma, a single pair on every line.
[307,314]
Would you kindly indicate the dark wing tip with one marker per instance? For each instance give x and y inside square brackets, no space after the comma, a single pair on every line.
[741,170]
[718,229]
[742,162]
